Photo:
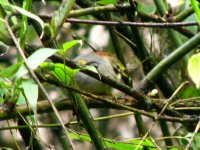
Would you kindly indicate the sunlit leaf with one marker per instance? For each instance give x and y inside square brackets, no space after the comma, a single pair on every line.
[35,60]
[106,2]
[60,71]
[194,69]
[68,45]
[189,92]
[195,6]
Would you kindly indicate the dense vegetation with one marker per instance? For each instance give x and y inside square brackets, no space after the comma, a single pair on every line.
[156,106]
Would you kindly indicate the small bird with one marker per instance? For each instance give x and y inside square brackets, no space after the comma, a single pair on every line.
[106,64]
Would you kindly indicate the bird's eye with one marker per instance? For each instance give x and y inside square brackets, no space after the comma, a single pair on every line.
[116,68]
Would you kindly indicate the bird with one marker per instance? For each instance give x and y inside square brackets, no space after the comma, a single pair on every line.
[106,64]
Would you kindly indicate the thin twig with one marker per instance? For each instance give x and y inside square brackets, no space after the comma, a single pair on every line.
[193,135]
[67,124]
[137,24]
[85,41]
[126,39]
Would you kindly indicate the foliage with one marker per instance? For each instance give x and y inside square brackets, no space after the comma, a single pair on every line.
[37,71]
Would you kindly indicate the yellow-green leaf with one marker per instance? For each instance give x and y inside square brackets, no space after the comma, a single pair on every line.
[194,69]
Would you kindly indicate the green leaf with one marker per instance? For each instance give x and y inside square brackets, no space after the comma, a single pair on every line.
[24,24]
[194,69]
[196,9]
[60,16]
[5,83]
[60,71]
[174,148]
[35,60]
[30,89]
[117,145]
[15,92]
[5,86]
[21,100]
[196,142]
[147,8]
[24,12]
[6,148]
[10,71]
[68,45]
[72,43]
[189,92]
[31,92]
[106,2]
